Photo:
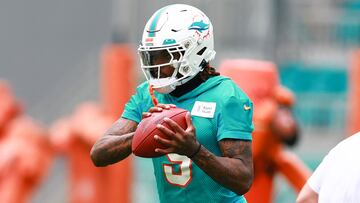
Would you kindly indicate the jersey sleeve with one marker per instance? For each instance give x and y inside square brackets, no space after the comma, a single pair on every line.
[235,119]
[135,106]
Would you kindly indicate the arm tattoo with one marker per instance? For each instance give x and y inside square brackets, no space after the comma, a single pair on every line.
[234,169]
[122,127]
[239,149]
[115,144]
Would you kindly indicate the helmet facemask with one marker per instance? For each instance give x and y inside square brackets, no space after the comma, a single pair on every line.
[165,67]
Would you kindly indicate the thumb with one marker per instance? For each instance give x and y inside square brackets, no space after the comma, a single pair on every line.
[188,119]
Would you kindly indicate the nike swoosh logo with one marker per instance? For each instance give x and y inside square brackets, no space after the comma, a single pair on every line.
[246,108]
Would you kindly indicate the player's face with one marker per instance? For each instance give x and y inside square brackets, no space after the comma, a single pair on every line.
[165,71]
[159,58]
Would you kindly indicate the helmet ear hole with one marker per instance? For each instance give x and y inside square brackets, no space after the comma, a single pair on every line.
[184,70]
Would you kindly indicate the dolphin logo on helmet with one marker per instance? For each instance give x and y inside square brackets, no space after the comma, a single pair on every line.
[199,26]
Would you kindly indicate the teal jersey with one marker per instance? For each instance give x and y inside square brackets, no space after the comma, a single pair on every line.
[219,110]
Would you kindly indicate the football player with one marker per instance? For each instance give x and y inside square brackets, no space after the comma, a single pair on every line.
[211,160]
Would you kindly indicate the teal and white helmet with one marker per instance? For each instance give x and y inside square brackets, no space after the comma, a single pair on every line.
[181,34]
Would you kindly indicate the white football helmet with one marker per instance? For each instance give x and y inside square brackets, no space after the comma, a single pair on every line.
[178,36]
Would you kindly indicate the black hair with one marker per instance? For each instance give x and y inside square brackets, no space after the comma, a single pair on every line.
[201,77]
[208,71]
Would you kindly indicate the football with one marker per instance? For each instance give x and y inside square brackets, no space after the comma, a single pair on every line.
[143,143]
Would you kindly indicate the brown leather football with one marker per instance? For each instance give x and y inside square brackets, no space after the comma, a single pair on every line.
[143,143]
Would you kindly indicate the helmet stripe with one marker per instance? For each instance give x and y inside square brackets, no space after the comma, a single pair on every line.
[155,21]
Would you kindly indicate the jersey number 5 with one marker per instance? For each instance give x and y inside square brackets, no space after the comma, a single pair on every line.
[180,176]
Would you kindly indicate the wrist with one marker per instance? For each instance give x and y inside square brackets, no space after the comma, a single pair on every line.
[196,151]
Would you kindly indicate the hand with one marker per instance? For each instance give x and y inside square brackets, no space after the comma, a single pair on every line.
[181,141]
[157,108]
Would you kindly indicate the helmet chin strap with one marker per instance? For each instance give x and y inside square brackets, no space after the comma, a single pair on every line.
[153,98]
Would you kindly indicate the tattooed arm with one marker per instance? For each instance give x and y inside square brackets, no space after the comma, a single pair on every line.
[234,169]
[115,144]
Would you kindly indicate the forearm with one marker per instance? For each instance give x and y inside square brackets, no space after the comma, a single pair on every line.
[238,176]
[111,149]
[115,144]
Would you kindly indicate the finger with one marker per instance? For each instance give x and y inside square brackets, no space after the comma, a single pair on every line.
[189,124]
[155,109]
[165,130]
[169,132]
[174,126]
[164,106]
[164,151]
[163,141]
[188,119]
[145,115]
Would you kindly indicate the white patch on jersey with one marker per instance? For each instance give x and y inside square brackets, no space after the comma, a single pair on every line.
[204,109]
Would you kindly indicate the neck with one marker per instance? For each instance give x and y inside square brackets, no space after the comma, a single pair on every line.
[187,87]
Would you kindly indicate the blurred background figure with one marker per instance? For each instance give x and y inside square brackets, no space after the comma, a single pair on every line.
[275,127]
[25,150]
[74,136]
[50,53]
